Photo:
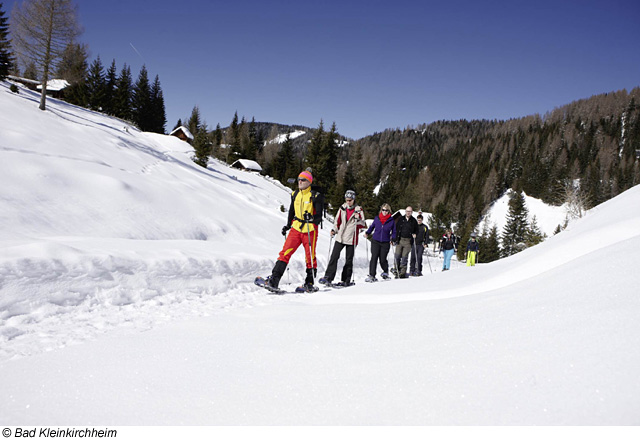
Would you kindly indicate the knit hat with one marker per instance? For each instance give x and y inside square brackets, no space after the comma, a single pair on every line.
[350,194]
[306,174]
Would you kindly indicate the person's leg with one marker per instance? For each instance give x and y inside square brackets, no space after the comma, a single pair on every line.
[375,255]
[384,256]
[447,258]
[332,266]
[405,250]
[291,244]
[347,270]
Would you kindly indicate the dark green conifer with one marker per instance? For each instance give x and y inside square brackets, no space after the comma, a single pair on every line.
[122,103]
[158,113]
[7,59]
[141,102]
[96,86]
[74,68]
[514,233]
[111,81]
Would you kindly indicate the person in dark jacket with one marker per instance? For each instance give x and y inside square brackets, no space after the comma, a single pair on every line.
[406,230]
[382,231]
[419,245]
[448,245]
[473,249]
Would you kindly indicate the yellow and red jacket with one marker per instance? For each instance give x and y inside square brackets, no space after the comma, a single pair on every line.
[306,201]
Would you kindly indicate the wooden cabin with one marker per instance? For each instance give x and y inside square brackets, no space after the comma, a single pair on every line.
[247,165]
[182,133]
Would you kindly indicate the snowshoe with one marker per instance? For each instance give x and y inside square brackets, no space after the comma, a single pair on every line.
[265,284]
[370,279]
[324,280]
[343,284]
[385,276]
[306,288]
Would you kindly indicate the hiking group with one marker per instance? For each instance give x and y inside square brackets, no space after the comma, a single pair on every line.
[409,237]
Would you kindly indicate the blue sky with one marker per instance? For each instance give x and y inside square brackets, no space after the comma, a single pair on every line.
[369,65]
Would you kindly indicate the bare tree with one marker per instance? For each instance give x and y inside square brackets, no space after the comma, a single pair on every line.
[576,202]
[42,30]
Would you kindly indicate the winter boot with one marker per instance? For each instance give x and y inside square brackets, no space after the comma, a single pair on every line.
[276,274]
[324,280]
[370,279]
[311,273]
[385,276]
[310,287]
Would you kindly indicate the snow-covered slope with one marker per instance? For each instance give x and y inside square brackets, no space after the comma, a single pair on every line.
[548,217]
[126,298]
[96,216]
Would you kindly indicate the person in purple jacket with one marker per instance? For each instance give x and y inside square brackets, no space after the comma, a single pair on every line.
[382,231]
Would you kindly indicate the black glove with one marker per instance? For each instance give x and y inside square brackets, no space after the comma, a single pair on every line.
[308,217]
[285,228]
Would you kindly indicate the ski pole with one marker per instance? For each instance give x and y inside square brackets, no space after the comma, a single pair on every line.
[329,256]
[313,275]
[395,263]
[366,245]
[429,262]
[288,273]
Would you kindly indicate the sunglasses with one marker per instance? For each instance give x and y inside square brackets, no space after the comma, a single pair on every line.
[384,210]
[302,180]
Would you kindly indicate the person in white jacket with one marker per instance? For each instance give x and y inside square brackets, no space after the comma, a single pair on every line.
[349,221]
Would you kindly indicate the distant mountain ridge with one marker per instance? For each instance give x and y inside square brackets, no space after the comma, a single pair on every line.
[466,165]
[459,168]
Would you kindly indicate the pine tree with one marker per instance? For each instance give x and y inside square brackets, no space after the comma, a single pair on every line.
[440,220]
[489,244]
[202,146]
[96,86]
[330,153]
[533,235]
[284,162]
[234,144]
[245,142]
[141,102]
[158,113]
[74,69]
[313,156]
[195,121]
[111,81]
[513,235]
[251,147]
[364,185]
[7,59]
[392,189]
[217,141]
[123,95]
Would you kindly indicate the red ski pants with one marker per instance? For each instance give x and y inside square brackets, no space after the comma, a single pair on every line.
[293,242]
